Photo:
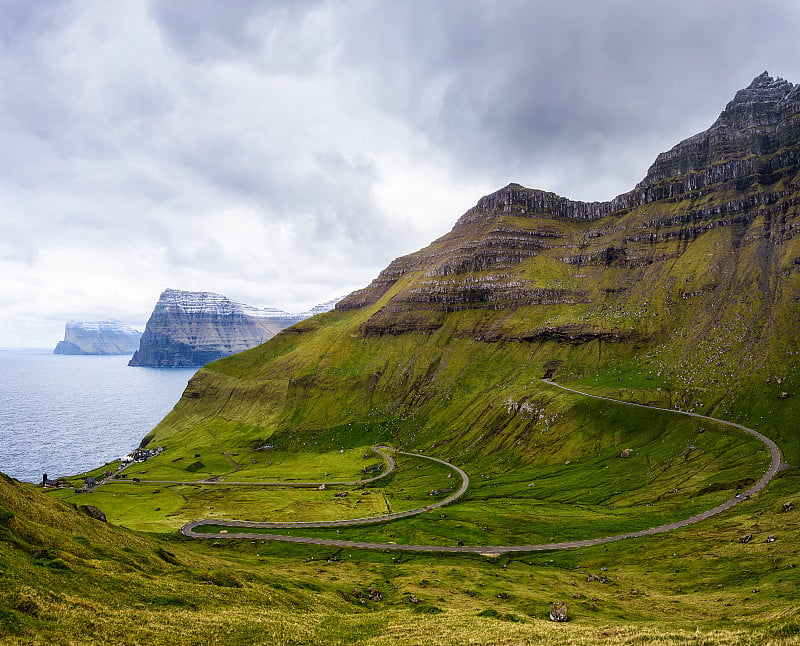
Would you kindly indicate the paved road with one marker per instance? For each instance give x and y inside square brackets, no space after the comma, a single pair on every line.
[493,550]
[188,529]
[390,466]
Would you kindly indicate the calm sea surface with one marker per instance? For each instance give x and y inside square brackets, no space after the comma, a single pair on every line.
[65,414]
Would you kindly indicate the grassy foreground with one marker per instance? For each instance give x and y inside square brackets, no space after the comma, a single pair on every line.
[69,579]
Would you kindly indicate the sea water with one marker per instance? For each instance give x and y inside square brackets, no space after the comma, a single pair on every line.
[63,414]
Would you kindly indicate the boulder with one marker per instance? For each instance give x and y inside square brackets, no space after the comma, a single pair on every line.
[626,453]
[93,512]
[787,506]
[558,611]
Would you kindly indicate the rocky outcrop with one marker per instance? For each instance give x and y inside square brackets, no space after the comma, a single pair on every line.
[189,329]
[558,611]
[761,120]
[98,337]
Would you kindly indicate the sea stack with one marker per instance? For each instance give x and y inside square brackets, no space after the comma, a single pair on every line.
[98,337]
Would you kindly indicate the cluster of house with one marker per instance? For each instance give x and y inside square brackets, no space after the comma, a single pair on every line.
[141,455]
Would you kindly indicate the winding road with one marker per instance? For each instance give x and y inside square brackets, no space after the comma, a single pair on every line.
[390,467]
[776,464]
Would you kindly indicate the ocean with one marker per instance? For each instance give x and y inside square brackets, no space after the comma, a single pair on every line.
[62,414]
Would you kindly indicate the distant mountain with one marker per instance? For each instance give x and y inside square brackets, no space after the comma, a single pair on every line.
[188,329]
[98,337]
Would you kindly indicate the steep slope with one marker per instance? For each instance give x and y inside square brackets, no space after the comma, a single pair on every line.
[98,337]
[687,285]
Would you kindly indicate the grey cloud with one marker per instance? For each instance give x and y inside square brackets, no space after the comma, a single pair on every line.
[523,84]
[210,30]
[244,145]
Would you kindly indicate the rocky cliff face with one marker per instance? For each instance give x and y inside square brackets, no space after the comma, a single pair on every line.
[741,174]
[98,337]
[188,329]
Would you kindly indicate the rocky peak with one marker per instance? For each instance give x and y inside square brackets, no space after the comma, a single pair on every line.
[760,120]
[192,328]
[765,102]
[111,325]
[515,199]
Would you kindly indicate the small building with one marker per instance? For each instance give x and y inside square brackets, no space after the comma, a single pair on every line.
[47,483]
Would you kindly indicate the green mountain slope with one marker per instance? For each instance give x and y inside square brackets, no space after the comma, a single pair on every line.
[685,289]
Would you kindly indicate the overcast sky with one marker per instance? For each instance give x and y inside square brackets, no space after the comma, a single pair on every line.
[283,153]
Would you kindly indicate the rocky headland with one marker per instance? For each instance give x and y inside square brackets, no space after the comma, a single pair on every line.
[190,329]
[98,337]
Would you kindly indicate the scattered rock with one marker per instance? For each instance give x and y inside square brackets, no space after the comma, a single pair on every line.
[558,611]
[626,453]
[375,594]
[93,512]
[787,506]
[503,595]
[412,599]
[783,395]
[746,538]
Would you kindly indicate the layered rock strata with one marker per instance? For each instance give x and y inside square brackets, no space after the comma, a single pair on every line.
[98,337]
[189,329]
[499,255]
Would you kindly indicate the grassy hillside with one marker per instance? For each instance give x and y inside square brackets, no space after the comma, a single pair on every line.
[70,579]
